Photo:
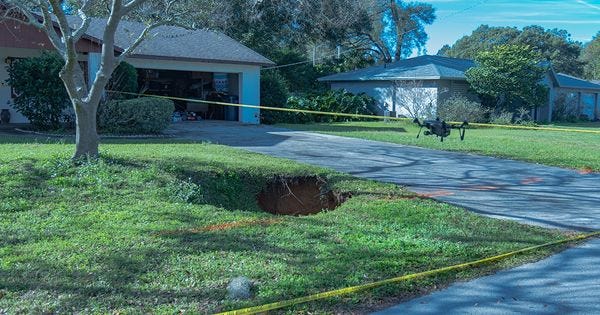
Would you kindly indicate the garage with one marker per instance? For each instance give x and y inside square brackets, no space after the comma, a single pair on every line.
[171,61]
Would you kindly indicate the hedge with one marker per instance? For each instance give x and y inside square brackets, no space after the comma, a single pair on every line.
[140,115]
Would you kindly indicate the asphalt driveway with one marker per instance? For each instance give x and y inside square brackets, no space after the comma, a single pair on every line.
[548,196]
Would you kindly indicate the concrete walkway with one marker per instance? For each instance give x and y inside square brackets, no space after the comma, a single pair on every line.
[552,197]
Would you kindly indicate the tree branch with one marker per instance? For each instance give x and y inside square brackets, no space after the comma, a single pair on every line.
[85,21]
[20,9]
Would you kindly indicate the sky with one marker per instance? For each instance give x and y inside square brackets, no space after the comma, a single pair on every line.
[456,18]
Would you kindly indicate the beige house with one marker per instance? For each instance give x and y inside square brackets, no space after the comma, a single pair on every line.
[415,86]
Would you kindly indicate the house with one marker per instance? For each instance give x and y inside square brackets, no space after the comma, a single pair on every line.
[409,85]
[172,61]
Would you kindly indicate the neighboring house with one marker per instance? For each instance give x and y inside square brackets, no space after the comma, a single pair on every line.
[419,84]
[172,61]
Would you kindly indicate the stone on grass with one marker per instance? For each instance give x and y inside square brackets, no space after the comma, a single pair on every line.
[240,288]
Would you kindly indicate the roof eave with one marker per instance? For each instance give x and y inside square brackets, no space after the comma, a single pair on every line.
[237,62]
[325,79]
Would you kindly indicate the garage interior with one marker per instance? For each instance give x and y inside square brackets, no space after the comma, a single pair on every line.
[206,86]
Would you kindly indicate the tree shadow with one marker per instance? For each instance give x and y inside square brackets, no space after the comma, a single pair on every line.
[351,128]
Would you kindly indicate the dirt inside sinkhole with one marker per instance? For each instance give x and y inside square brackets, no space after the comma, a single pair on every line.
[299,196]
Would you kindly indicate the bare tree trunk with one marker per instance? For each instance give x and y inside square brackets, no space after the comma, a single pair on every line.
[87,140]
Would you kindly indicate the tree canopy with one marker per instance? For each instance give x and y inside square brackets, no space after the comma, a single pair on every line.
[591,58]
[553,45]
[510,75]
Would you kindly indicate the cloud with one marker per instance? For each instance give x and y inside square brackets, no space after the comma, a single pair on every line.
[588,4]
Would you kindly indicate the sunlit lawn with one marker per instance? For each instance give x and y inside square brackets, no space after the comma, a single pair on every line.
[139,232]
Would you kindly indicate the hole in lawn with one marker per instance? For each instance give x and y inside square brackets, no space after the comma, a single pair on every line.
[299,196]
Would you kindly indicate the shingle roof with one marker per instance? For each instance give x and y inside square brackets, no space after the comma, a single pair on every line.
[172,42]
[418,68]
[567,81]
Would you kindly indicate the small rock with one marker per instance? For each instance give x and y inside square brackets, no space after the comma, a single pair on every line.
[240,288]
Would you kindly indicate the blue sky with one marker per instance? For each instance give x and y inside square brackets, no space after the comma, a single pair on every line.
[456,18]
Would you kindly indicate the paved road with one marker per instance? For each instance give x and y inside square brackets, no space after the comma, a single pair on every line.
[565,283]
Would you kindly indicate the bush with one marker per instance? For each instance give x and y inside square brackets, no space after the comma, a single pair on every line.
[274,92]
[459,108]
[332,101]
[140,115]
[502,118]
[123,79]
[41,94]
[565,110]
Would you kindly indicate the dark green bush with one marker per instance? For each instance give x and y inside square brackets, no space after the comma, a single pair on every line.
[41,94]
[458,108]
[332,101]
[274,92]
[140,115]
[123,79]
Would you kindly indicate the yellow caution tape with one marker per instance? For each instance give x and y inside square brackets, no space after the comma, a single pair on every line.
[304,111]
[358,288]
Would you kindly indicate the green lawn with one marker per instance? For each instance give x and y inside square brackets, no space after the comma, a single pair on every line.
[564,149]
[158,227]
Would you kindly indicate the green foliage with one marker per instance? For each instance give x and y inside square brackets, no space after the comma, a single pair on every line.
[140,115]
[303,76]
[332,101]
[552,44]
[41,94]
[591,58]
[459,108]
[402,16]
[124,79]
[274,92]
[511,75]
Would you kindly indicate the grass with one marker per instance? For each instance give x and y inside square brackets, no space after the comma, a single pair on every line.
[562,149]
[159,227]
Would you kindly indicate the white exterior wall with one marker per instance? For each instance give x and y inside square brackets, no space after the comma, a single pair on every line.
[249,79]
[5,95]
[422,100]
[390,96]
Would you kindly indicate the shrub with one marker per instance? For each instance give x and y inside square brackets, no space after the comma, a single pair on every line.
[459,108]
[332,101]
[564,109]
[502,118]
[41,94]
[123,79]
[139,115]
[274,92]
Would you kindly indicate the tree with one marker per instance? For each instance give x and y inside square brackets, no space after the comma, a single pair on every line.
[391,29]
[409,20]
[415,99]
[50,17]
[591,58]
[553,45]
[510,75]
[483,38]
